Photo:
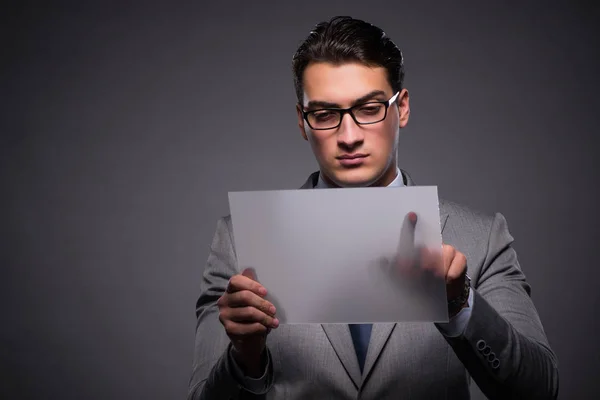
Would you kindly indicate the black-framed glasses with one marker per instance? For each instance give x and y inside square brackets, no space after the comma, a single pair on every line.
[367,113]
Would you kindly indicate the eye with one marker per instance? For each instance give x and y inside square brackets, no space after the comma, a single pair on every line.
[370,109]
[324,115]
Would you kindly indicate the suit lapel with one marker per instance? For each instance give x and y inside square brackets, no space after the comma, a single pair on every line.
[311,182]
[379,336]
[339,334]
[341,341]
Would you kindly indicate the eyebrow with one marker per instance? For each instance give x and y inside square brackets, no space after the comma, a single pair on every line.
[325,104]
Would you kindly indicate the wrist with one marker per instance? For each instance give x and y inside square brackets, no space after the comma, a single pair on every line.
[252,365]
[456,304]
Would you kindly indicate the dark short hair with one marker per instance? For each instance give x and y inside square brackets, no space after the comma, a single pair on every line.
[345,39]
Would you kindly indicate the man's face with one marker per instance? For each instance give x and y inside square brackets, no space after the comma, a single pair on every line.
[351,154]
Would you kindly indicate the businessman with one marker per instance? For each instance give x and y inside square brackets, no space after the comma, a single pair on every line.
[352,103]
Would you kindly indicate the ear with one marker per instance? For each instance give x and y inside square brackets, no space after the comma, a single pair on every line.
[301,121]
[403,107]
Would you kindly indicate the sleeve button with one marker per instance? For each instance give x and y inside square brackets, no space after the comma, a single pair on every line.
[495,364]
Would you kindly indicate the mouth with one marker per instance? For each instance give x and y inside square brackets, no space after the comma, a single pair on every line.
[349,160]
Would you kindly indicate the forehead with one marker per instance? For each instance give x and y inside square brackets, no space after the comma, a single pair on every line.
[342,83]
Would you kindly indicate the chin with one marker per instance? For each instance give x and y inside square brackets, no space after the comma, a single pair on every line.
[355,177]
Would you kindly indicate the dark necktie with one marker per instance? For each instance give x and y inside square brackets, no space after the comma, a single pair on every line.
[361,333]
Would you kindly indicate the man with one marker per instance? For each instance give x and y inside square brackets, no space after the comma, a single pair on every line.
[351,105]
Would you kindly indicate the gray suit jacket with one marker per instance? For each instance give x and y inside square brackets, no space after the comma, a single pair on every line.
[503,347]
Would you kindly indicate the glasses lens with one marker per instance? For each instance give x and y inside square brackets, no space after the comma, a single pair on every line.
[323,119]
[369,113]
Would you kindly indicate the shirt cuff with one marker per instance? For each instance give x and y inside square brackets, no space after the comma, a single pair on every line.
[252,385]
[457,324]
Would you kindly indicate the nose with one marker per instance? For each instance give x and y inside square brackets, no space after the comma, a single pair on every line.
[350,134]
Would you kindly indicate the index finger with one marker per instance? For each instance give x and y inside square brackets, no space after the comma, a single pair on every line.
[242,282]
[406,244]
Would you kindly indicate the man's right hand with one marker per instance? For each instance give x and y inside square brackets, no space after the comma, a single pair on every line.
[247,318]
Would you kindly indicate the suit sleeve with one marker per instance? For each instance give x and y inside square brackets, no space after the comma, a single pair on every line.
[215,374]
[504,347]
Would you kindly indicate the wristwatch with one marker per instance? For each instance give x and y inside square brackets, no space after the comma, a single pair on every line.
[456,304]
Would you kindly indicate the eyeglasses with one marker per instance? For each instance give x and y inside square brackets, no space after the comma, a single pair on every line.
[371,112]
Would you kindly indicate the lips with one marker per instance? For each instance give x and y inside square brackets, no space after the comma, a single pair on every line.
[351,156]
[352,160]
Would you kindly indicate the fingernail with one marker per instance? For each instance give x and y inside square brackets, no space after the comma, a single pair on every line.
[272,309]
[412,217]
[275,323]
[262,291]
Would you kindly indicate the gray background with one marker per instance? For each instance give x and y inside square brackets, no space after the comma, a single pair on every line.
[124,127]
